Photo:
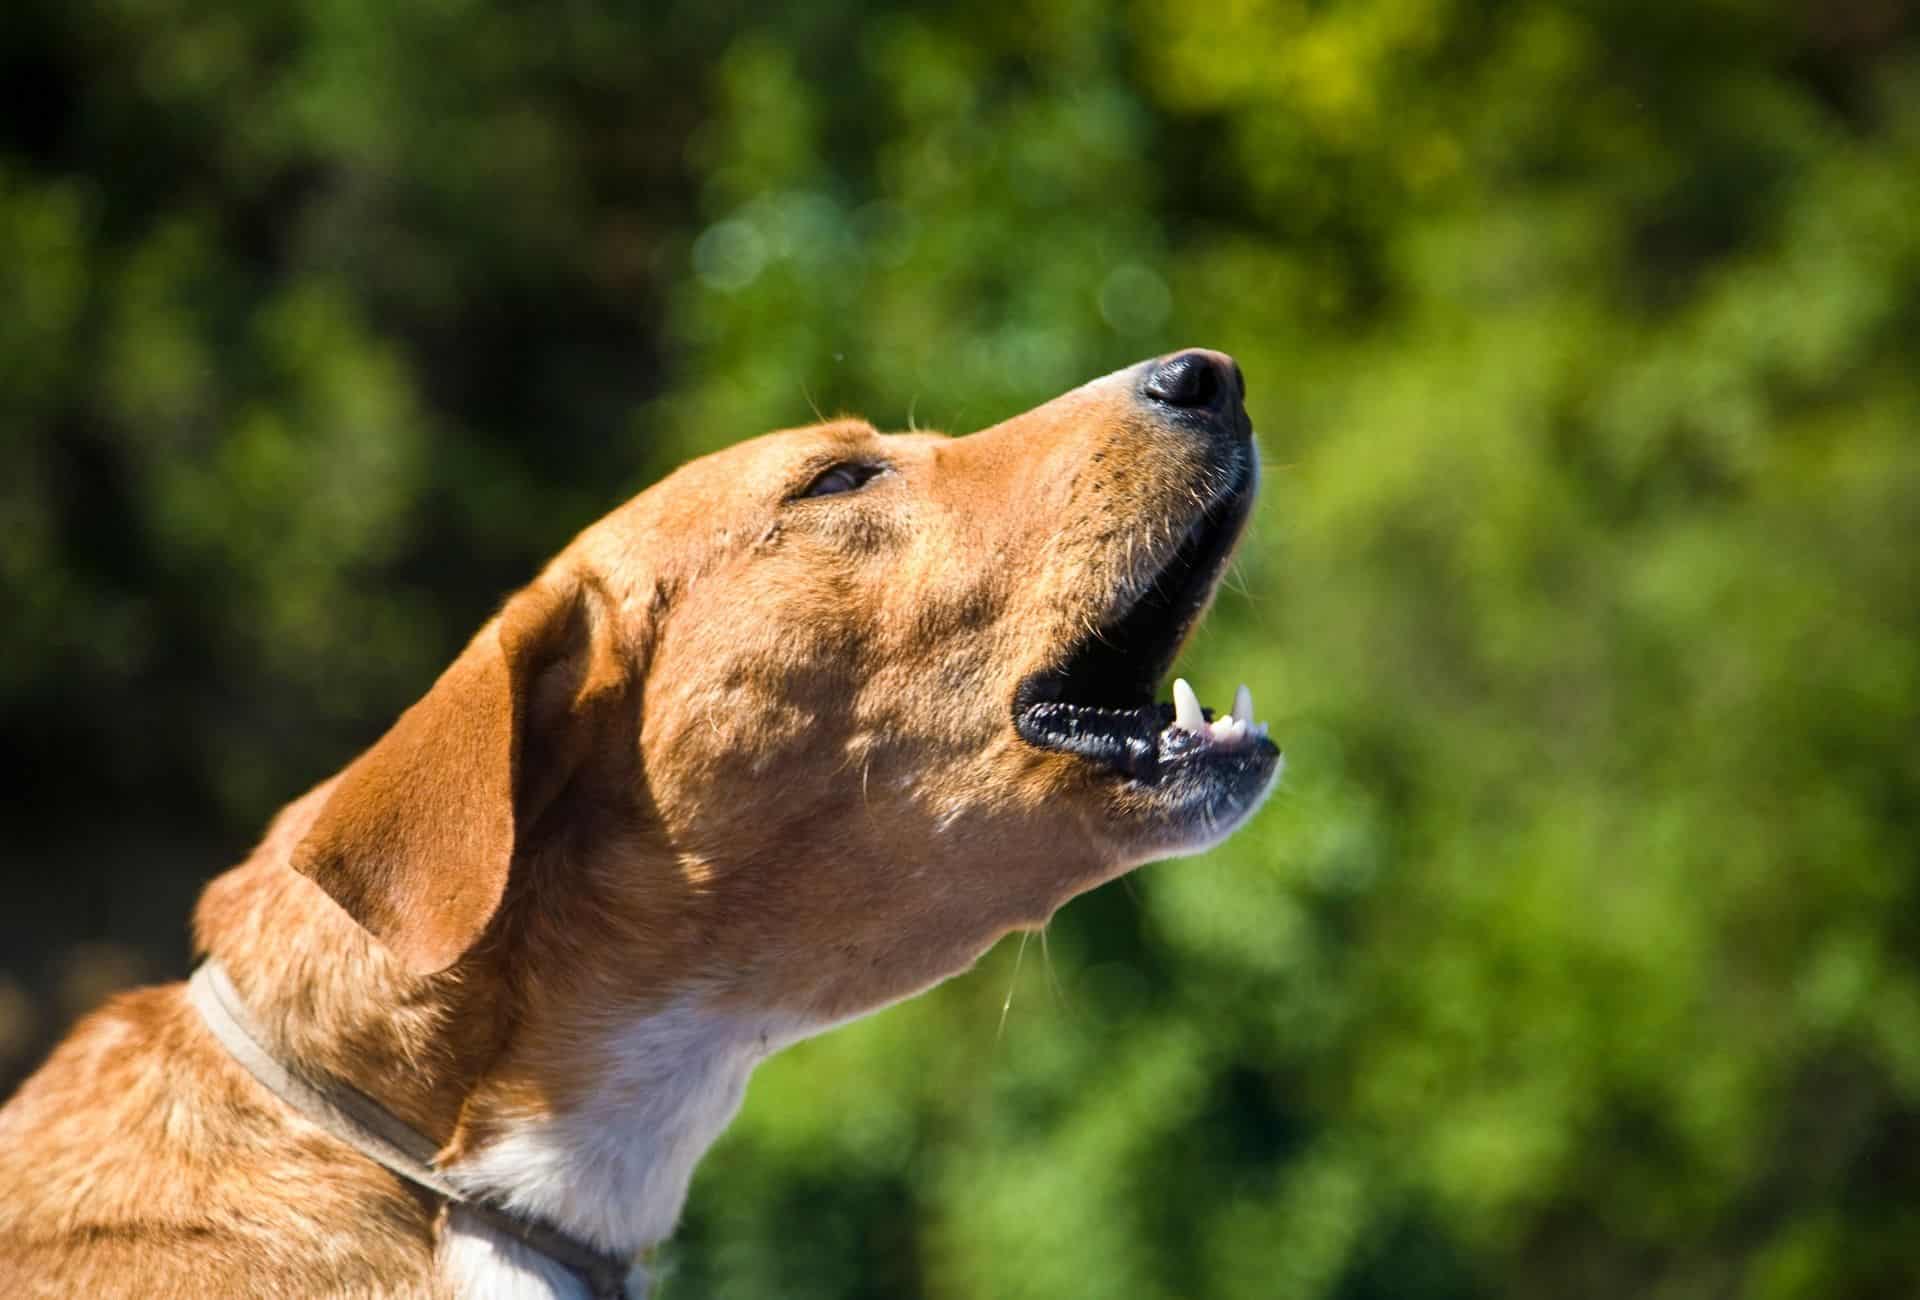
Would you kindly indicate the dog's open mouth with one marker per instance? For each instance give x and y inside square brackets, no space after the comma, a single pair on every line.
[1099,701]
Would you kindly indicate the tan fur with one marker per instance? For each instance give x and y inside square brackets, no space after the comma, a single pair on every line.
[724,738]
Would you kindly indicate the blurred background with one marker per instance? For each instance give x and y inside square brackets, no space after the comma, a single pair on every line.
[1580,953]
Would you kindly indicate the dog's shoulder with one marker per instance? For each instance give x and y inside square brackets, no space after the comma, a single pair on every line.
[140,1160]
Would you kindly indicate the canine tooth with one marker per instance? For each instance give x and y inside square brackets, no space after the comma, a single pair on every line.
[1186,707]
[1243,705]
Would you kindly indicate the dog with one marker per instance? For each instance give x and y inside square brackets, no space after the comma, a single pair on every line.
[794,734]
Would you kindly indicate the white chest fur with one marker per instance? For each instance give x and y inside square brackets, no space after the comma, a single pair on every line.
[612,1171]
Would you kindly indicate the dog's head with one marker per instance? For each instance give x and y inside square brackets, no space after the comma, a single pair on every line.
[818,717]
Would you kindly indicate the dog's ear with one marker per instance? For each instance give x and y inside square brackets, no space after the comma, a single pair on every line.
[418,836]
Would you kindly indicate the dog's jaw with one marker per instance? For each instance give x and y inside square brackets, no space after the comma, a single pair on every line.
[613,1167]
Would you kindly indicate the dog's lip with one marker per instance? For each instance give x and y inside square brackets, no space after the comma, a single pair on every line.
[1144,744]
[1097,699]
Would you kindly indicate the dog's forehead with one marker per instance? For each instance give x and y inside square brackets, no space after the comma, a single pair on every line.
[750,474]
[769,460]
[720,493]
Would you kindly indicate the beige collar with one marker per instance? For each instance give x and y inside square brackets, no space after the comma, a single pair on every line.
[380,1135]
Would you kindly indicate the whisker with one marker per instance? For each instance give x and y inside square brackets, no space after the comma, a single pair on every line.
[1237,580]
[812,405]
[1018,954]
[1053,978]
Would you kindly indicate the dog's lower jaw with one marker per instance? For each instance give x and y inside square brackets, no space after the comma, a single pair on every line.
[613,1167]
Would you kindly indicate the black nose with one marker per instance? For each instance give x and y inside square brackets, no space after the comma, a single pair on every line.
[1198,381]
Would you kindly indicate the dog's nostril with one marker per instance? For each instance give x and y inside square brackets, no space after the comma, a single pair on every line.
[1190,379]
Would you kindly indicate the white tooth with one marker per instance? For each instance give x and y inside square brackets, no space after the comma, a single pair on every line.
[1243,705]
[1229,731]
[1186,707]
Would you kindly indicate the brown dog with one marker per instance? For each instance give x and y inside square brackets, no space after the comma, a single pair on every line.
[796,733]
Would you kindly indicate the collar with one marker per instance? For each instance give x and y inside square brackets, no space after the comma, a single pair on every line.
[380,1135]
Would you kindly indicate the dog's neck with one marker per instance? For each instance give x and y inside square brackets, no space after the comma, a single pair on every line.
[611,1163]
[582,1106]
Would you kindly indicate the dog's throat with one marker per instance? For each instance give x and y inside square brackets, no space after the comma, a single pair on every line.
[614,1164]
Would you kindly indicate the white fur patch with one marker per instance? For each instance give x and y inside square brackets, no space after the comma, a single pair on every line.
[477,1261]
[613,1171]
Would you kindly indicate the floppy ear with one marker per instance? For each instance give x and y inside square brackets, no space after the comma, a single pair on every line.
[418,835]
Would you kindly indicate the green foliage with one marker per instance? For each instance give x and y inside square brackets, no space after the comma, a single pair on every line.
[1577,955]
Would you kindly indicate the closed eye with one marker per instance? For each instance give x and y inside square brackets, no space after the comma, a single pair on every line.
[847,476]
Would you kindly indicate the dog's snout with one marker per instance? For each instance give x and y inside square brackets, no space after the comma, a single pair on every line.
[1199,382]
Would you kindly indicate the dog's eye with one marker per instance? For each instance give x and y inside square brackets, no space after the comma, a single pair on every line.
[848,476]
